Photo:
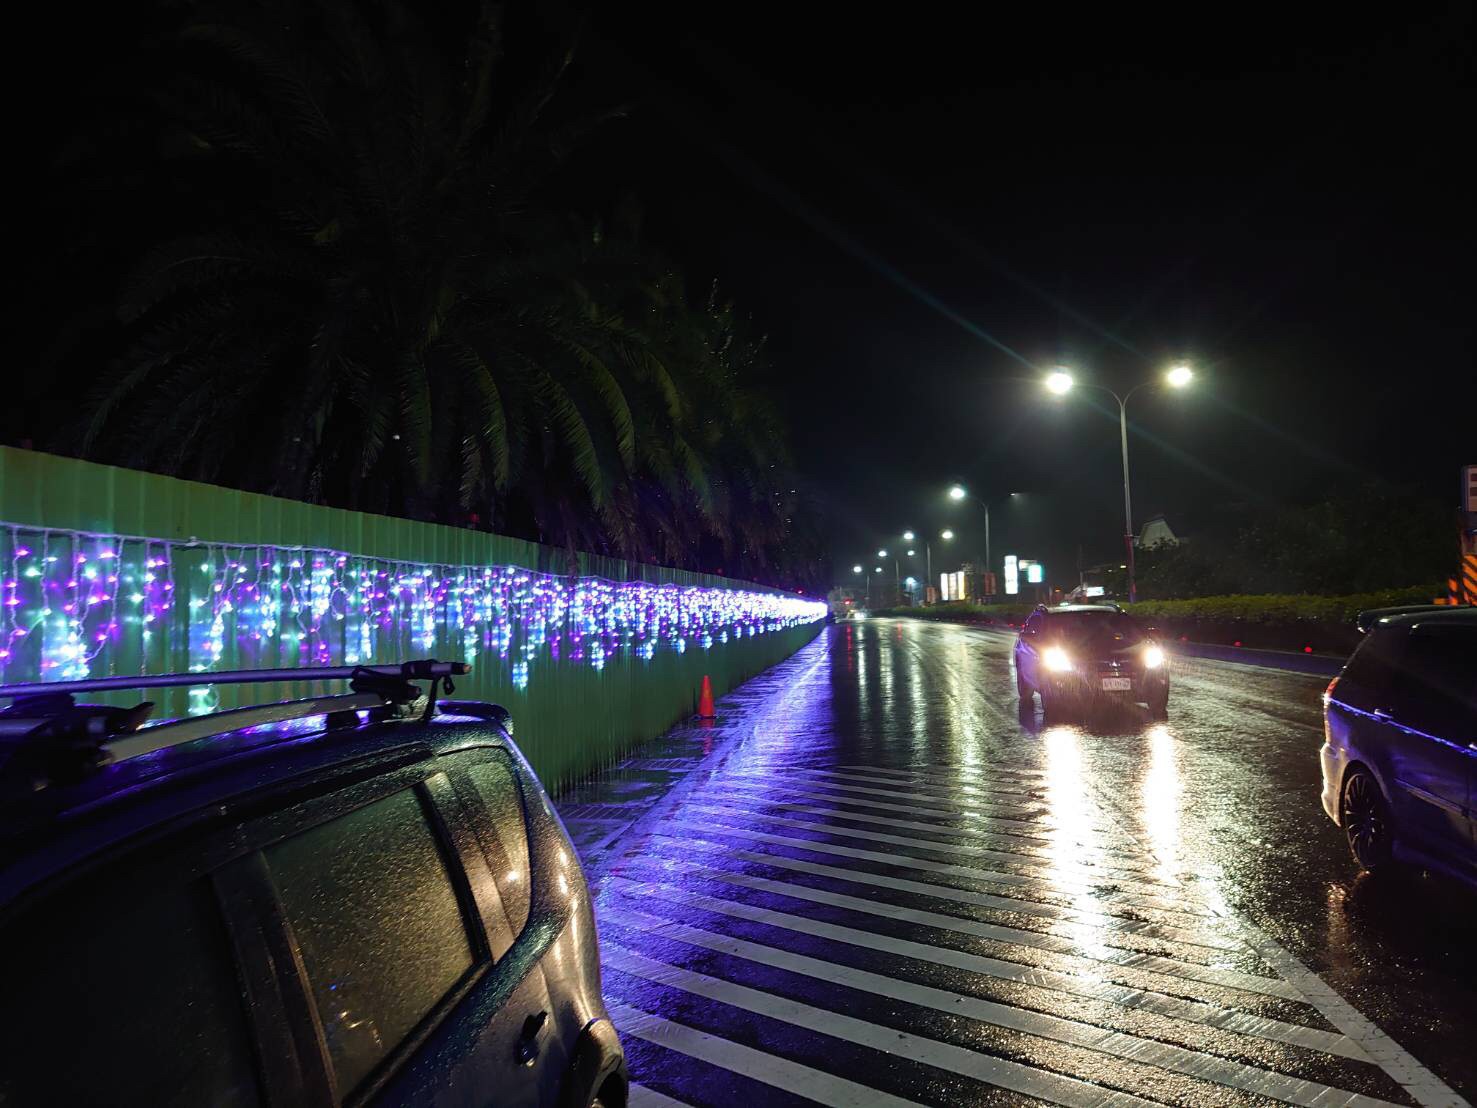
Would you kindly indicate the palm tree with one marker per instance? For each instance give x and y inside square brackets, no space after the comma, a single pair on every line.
[308,342]
[376,312]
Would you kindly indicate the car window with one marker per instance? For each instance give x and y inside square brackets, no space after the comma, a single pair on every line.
[383,936]
[124,992]
[1095,626]
[1370,675]
[497,788]
[1438,689]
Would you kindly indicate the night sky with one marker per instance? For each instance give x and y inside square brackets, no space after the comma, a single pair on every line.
[917,210]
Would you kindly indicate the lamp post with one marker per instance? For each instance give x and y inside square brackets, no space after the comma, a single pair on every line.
[959,492]
[1060,382]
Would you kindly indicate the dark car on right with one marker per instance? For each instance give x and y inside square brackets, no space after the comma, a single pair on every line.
[1400,741]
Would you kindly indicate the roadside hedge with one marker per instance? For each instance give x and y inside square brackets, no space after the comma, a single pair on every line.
[1276,609]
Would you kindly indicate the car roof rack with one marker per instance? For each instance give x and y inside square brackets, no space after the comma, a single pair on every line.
[46,736]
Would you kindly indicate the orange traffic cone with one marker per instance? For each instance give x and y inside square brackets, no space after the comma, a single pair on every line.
[705,701]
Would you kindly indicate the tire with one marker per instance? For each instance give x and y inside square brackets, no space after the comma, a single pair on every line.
[1368,826]
[1159,705]
[1022,689]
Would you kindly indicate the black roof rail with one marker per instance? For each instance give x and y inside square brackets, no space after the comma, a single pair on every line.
[1370,616]
[46,736]
[418,670]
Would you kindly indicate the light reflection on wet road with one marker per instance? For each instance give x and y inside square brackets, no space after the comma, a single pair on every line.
[877,881]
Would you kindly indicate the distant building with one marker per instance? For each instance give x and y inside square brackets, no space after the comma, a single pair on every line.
[1156,532]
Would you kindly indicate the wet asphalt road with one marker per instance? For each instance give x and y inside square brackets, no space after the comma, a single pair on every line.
[877,881]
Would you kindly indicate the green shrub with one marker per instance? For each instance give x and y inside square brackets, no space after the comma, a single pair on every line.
[1246,609]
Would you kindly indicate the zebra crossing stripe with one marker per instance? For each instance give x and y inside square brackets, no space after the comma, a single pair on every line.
[1044,869]
[1149,1052]
[687,841]
[982,792]
[768,1069]
[1016,813]
[1001,1072]
[1024,828]
[639,1096]
[1172,1007]
[1013,845]
[1123,903]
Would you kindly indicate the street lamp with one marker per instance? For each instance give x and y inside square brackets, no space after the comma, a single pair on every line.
[959,492]
[946,535]
[1176,377]
[907,536]
[856,569]
[1059,381]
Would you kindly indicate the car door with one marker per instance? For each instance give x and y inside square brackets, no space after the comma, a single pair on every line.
[386,926]
[1426,718]
[1436,708]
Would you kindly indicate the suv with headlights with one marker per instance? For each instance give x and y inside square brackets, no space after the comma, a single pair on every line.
[1075,656]
[363,898]
[1400,741]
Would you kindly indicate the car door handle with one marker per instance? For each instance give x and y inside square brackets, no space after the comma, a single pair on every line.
[527,1050]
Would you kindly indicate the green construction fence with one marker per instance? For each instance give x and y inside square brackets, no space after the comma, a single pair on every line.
[570,719]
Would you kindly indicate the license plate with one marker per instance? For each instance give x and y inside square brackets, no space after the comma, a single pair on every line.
[1117,684]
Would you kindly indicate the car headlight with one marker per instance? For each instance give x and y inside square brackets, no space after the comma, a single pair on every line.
[1056,659]
[1153,657]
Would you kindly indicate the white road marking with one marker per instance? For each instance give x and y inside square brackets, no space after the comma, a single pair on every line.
[639,1096]
[1423,1085]
[1012,845]
[979,791]
[769,1069]
[1016,813]
[1172,1007]
[1025,830]
[1124,903]
[687,841]
[1000,1072]
[1152,963]
[1042,869]
[1149,1052]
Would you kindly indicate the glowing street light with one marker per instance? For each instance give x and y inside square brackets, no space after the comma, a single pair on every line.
[1176,377]
[881,553]
[907,536]
[946,535]
[856,569]
[957,492]
[911,553]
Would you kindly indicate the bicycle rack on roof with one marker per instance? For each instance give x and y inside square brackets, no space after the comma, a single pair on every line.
[47,736]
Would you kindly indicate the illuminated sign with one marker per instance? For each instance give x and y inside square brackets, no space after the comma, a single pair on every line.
[1012,575]
[1035,573]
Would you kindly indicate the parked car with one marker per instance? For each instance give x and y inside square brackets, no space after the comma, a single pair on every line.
[1075,656]
[364,898]
[1400,741]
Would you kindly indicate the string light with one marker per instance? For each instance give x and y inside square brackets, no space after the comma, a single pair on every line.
[75,605]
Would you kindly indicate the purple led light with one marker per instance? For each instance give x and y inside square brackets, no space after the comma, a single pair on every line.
[251,607]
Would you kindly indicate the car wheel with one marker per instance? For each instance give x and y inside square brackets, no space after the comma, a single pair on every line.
[1159,705]
[1022,689]
[1366,820]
